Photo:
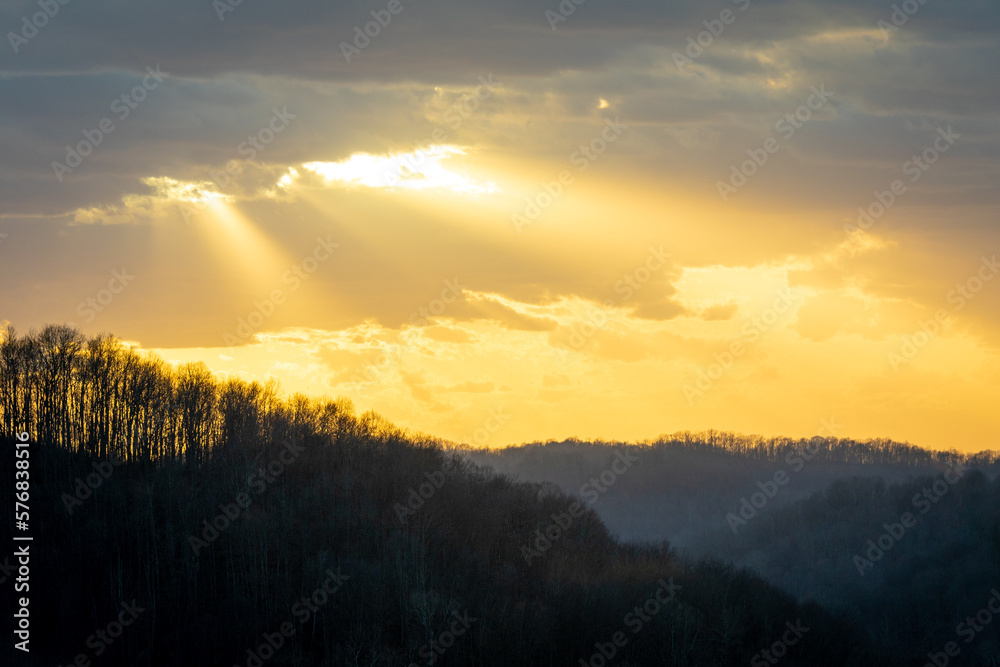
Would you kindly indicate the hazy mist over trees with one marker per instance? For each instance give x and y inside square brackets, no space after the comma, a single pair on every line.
[716,495]
[688,483]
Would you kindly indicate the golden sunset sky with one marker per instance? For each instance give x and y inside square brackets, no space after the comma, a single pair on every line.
[493,225]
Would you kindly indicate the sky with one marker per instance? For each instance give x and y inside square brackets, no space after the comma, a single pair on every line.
[507,222]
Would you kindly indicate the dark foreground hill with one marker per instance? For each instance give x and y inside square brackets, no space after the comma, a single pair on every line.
[182,521]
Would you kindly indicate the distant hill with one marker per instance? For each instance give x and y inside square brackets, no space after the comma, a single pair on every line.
[687,484]
[911,561]
[904,540]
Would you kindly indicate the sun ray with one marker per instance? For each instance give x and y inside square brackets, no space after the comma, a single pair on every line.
[258,261]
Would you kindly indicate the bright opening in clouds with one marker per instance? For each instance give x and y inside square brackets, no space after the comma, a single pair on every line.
[174,190]
[417,170]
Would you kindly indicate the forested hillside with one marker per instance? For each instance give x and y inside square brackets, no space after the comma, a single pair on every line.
[687,485]
[910,561]
[903,540]
[180,520]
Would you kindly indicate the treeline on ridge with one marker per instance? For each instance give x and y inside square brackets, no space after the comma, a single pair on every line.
[181,448]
